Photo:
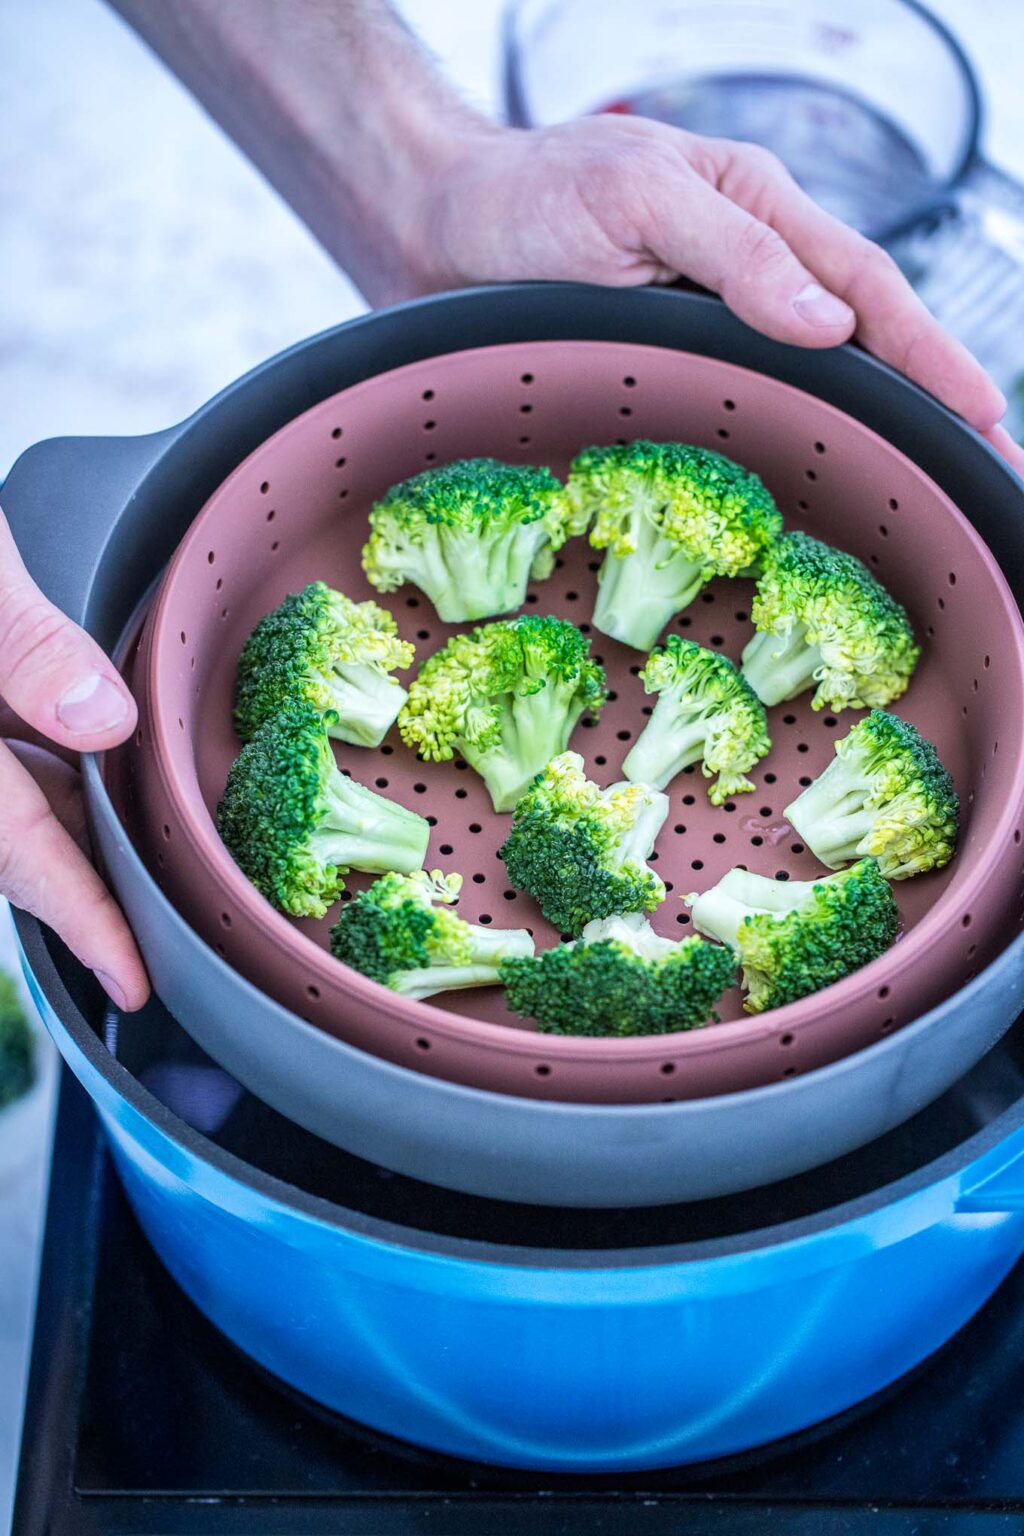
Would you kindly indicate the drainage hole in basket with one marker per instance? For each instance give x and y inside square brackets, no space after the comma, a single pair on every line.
[167,833]
[138,738]
[790,1072]
[225,918]
[431,821]
[719,837]
[629,382]
[423,634]
[766,811]
[1017,836]
[381,783]
[883,530]
[689,799]
[184,638]
[811,474]
[804,506]
[728,405]
[428,426]
[460,794]
[624,735]
[313,992]
[510,895]
[756,841]
[829,722]
[429,457]
[782,874]
[802,746]
[340,463]
[707,597]
[542,1069]
[220,949]
[422,1043]
[769,778]
[461,764]
[531,597]
[697,864]
[600,761]
[220,583]
[786,1039]
[679,828]
[479,879]
[625,410]
[942,603]
[965,921]
[730,805]
[475,826]
[974,685]
[386,750]
[265,487]
[885,1026]
[685,621]
[524,440]
[883,992]
[723,433]
[336,433]
[667,1068]
[683,917]
[525,408]
[420,789]
[819,447]
[796,848]
[427,396]
[485,917]
[446,848]
[717,639]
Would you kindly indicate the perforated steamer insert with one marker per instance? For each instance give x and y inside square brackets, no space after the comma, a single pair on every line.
[296,509]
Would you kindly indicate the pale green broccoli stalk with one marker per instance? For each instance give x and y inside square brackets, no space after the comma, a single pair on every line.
[823,619]
[17,1048]
[469,535]
[886,794]
[795,937]
[706,712]
[321,648]
[295,824]
[506,698]
[401,933]
[671,516]
[620,978]
[580,851]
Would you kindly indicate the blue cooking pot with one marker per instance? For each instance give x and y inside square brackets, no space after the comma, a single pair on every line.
[649,1339]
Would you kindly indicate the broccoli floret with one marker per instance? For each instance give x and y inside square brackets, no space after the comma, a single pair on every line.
[886,794]
[705,710]
[469,535]
[671,516]
[795,937]
[321,647]
[620,978]
[17,1051]
[505,697]
[295,824]
[580,851]
[401,933]
[823,619]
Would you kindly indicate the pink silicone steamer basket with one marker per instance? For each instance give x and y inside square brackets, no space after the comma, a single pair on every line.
[296,510]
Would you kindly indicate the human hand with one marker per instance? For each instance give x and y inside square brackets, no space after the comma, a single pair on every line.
[57,686]
[625,201]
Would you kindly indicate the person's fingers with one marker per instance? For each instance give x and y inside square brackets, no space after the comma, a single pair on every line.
[60,782]
[892,321]
[711,239]
[1007,446]
[44,871]
[52,674]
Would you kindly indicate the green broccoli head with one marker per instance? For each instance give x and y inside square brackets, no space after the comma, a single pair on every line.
[17,1050]
[705,712]
[506,697]
[320,647]
[295,824]
[469,535]
[671,516]
[402,933]
[620,978]
[580,851]
[886,794]
[823,619]
[795,937]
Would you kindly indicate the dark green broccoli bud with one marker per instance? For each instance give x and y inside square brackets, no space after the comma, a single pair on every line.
[505,697]
[580,851]
[886,794]
[402,934]
[671,517]
[17,1048]
[795,937]
[620,978]
[295,824]
[321,648]
[469,535]
[823,619]
[705,712]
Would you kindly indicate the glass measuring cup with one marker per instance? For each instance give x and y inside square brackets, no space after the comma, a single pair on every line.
[874,108]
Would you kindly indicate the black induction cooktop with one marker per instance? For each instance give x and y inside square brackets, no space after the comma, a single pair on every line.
[141,1418]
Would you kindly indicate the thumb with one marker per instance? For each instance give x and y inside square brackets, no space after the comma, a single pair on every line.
[52,674]
[705,236]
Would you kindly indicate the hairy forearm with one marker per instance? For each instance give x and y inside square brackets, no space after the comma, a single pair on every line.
[338,105]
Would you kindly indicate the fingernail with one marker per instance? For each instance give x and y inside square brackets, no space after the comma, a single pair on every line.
[819,307]
[94,704]
[112,989]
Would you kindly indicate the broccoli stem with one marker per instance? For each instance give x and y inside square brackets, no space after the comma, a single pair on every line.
[487,949]
[779,667]
[638,593]
[534,728]
[637,843]
[469,574]
[367,701]
[831,816]
[361,830]
[667,744]
[739,894]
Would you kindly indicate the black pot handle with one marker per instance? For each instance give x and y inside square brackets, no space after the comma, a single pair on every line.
[62,500]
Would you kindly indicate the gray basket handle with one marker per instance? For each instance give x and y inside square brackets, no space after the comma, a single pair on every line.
[63,498]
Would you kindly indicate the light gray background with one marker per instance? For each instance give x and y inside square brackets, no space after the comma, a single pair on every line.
[143,265]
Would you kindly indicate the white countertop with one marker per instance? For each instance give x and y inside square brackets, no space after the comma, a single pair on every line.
[145,265]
